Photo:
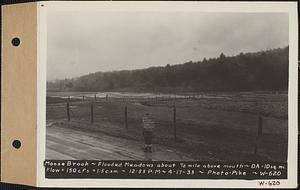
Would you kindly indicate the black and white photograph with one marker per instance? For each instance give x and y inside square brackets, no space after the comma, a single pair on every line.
[171,86]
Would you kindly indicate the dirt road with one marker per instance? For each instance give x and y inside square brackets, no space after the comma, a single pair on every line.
[68,144]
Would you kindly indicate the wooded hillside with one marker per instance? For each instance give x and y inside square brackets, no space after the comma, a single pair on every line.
[265,70]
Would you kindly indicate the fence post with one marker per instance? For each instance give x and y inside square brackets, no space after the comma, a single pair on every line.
[68,111]
[92,113]
[126,122]
[95,97]
[69,99]
[82,98]
[106,97]
[174,122]
[259,134]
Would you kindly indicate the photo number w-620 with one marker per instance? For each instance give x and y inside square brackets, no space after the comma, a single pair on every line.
[269,183]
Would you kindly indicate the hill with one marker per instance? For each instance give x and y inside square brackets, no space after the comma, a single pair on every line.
[259,71]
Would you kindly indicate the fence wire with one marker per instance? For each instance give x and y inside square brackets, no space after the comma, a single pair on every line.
[230,124]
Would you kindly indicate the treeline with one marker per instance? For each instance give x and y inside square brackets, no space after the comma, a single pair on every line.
[260,71]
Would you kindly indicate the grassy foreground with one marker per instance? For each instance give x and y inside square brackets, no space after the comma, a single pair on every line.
[223,128]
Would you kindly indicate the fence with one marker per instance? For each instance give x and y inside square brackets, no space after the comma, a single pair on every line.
[176,119]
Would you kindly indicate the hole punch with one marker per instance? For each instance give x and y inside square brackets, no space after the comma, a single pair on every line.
[16,41]
[16,144]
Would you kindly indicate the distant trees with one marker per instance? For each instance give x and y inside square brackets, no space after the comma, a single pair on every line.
[265,70]
[69,85]
[222,56]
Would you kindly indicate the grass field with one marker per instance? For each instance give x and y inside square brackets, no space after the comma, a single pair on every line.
[219,126]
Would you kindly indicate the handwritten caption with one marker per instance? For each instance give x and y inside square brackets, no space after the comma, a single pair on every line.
[164,169]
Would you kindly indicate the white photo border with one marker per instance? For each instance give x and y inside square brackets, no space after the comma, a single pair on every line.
[285,7]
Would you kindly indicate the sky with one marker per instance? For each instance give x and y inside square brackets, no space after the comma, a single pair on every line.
[80,43]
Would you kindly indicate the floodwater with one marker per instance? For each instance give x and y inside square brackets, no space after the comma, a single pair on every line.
[127,95]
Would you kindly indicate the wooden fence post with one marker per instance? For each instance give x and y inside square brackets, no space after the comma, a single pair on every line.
[95,97]
[69,99]
[82,98]
[174,122]
[106,97]
[259,133]
[92,113]
[68,111]
[126,121]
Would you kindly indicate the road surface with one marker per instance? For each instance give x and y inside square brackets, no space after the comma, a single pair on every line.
[71,144]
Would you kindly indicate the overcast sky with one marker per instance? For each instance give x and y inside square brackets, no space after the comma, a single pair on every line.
[86,42]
